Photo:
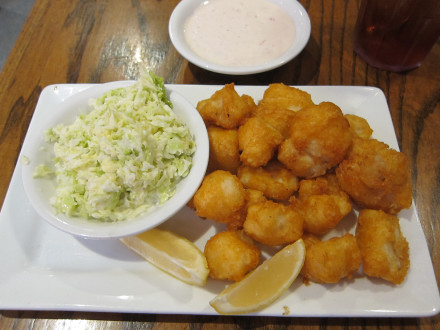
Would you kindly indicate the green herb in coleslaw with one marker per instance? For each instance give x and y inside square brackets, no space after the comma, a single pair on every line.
[124,156]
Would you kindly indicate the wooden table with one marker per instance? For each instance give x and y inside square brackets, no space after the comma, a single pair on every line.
[84,41]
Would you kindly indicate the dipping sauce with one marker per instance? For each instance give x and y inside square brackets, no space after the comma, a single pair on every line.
[239,32]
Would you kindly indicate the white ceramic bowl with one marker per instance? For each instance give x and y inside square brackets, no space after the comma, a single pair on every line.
[40,190]
[186,7]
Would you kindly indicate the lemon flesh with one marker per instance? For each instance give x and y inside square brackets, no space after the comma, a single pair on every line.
[171,253]
[264,285]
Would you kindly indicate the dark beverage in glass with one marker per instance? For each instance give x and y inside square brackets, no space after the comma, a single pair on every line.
[396,35]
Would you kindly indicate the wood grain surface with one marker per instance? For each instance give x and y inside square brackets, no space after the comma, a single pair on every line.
[91,41]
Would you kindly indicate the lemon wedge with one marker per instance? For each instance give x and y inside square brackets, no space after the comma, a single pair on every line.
[171,253]
[263,285]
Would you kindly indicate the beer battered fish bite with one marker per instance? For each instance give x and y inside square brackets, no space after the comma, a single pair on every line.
[327,184]
[274,180]
[225,108]
[223,149]
[273,223]
[376,176]
[285,97]
[322,203]
[231,255]
[330,261]
[257,142]
[279,104]
[278,118]
[359,126]
[221,197]
[319,140]
[385,251]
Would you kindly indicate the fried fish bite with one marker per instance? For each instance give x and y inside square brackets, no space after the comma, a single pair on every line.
[274,180]
[231,255]
[330,261]
[319,140]
[250,102]
[376,176]
[286,97]
[322,213]
[220,197]
[322,203]
[225,108]
[273,223]
[278,118]
[359,126]
[310,239]
[252,196]
[257,141]
[326,184]
[223,149]
[384,250]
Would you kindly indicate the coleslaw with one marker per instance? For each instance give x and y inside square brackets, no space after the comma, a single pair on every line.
[123,157]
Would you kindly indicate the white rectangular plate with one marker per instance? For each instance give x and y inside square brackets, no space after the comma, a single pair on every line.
[42,268]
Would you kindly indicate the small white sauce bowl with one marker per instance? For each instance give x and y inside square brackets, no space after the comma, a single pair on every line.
[184,10]
[40,190]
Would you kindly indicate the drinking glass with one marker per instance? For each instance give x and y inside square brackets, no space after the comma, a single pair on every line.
[396,35]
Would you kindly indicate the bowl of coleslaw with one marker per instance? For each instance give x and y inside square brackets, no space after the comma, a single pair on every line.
[115,159]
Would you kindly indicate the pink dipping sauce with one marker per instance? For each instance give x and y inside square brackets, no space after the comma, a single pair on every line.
[239,32]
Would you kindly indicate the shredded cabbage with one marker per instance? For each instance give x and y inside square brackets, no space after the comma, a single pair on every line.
[124,156]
